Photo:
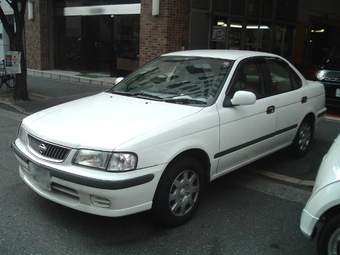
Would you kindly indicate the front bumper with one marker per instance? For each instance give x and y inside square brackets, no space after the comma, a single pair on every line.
[308,224]
[120,194]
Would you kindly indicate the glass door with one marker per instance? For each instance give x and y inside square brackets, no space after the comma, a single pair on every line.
[257,36]
[199,31]
[219,33]
[235,35]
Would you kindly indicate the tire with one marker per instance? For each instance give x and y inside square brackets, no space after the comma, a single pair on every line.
[10,82]
[303,137]
[179,192]
[328,240]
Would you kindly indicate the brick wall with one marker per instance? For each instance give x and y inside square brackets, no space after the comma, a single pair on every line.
[37,37]
[166,32]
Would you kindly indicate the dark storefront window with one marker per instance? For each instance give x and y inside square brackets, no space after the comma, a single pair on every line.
[238,7]
[201,4]
[292,10]
[264,37]
[253,8]
[96,43]
[221,5]
[267,9]
[280,10]
[278,32]
[235,35]
[288,41]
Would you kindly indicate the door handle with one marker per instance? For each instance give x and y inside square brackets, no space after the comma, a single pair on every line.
[270,109]
[304,100]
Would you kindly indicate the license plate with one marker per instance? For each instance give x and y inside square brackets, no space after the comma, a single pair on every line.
[337,93]
[40,175]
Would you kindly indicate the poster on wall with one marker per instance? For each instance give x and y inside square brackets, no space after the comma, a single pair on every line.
[12,62]
[219,34]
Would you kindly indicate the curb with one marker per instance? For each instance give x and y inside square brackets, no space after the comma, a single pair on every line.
[15,107]
[102,80]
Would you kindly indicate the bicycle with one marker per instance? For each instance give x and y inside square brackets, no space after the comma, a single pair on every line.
[7,78]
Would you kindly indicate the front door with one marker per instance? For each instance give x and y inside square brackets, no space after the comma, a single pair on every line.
[246,132]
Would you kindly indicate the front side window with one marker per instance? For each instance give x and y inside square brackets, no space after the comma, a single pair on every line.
[248,77]
[177,79]
[283,77]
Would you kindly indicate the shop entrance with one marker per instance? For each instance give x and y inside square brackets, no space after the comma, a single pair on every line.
[97,44]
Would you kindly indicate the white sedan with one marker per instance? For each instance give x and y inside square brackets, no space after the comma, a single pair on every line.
[155,139]
[321,215]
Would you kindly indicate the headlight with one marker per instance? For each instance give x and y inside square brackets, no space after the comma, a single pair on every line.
[106,160]
[122,162]
[22,134]
[321,74]
[96,159]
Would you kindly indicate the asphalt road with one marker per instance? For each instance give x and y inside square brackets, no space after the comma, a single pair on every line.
[241,213]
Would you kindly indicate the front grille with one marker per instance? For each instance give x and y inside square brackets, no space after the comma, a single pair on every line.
[48,150]
[333,76]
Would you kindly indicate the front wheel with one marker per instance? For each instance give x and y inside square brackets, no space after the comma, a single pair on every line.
[179,192]
[302,138]
[329,237]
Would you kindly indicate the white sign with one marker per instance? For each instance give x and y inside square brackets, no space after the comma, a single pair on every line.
[12,62]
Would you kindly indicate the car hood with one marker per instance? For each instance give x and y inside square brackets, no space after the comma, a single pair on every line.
[329,170]
[330,63]
[103,121]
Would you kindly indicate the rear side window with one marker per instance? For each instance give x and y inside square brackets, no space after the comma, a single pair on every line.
[283,77]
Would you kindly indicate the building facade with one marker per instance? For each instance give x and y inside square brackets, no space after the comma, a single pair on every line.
[117,36]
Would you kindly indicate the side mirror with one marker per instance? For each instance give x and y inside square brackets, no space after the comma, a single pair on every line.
[240,98]
[118,80]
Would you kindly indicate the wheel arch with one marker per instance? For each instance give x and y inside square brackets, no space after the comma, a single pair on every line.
[310,116]
[201,156]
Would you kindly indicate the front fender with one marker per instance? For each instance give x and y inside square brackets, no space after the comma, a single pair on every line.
[320,202]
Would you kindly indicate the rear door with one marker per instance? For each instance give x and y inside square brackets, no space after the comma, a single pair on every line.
[290,99]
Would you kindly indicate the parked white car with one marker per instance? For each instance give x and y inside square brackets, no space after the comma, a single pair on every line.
[156,138]
[321,215]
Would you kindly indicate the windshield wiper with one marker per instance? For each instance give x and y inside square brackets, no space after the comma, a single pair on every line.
[184,101]
[124,93]
[146,95]
[138,94]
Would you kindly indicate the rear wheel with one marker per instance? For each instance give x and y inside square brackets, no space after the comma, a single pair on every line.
[179,192]
[329,237]
[10,81]
[303,138]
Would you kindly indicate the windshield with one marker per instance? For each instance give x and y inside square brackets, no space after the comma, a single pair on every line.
[177,79]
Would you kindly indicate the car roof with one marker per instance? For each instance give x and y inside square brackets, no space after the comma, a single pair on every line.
[225,54]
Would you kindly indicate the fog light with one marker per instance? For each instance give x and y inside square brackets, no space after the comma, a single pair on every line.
[100,202]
